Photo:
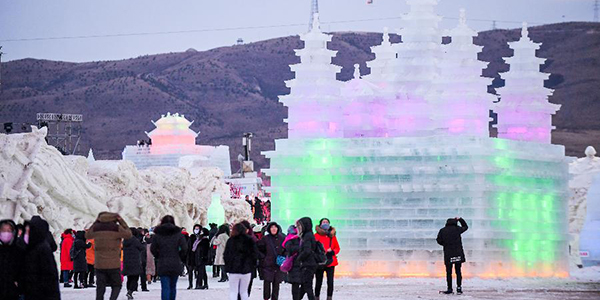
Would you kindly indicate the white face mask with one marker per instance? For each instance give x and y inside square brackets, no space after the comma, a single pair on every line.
[197,231]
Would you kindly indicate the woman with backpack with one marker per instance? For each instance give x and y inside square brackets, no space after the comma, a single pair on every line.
[326,236]
[271,246]
[305,261]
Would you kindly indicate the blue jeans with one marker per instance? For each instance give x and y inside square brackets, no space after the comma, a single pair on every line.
[168,286]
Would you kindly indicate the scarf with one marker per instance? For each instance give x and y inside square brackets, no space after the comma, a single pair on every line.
[196,243]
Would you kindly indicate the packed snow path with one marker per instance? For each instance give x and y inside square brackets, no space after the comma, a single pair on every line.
[583,285]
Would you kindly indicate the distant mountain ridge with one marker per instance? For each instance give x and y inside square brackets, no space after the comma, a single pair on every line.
[231,90]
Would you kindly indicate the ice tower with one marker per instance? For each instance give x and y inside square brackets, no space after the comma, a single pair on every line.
[460,95]
[526,114]
[314,96]
[416,68]
[174,144]
[389,194]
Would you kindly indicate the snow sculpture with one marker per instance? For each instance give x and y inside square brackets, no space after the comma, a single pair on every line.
[70,191]
[315,91]
[388,189]
[583,171]
[35,179]
[526,114]
[174,141]
[590,233]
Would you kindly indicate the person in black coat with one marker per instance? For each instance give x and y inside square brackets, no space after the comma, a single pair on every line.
[214,229]
[144,255]
[191,255]
[202,259]
[11,260]
[241,254]
[258,210]
[78,254]
[169,248]
[306,260]
[40,273]
[271,246]
[449,238]
[132,261]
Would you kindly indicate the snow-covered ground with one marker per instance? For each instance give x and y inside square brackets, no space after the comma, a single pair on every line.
[583,284]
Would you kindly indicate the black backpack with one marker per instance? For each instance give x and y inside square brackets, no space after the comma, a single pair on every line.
[323,260]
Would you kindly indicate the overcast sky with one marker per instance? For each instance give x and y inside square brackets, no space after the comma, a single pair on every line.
[216,23]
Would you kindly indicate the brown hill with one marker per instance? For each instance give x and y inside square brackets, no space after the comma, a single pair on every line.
[232,90]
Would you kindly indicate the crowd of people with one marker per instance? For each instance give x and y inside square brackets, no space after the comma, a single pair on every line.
[109,251]
[261,210]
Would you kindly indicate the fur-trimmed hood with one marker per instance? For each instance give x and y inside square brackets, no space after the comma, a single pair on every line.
[321,231]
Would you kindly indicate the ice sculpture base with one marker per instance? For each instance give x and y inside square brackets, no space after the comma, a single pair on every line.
[388,197]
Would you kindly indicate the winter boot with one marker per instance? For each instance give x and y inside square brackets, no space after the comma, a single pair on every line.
[129,295]
[447,292]
[459,290]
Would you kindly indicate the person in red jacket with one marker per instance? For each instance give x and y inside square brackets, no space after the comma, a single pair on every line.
[66,263]
[326,236]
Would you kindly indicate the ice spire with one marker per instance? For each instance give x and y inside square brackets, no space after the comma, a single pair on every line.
[382,67]
[356,71]
[524,112]
[90,157]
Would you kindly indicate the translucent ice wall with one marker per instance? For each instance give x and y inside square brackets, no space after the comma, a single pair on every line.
[524,112]
[389,197]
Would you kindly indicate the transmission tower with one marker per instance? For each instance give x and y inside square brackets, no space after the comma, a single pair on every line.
[494,27]
[1,69]
[596,9]
[314,9]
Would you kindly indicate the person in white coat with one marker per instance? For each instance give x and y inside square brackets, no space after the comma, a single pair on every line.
[220,240]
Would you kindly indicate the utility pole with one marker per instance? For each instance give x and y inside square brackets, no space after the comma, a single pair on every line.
[314,9]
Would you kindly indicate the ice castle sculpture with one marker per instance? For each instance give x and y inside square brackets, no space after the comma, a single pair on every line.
[174,144]
[414,150]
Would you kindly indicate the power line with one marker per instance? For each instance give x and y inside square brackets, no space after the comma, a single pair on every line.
[225,29]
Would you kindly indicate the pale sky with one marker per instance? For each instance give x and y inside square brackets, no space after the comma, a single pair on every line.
[216,23]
